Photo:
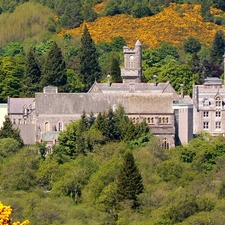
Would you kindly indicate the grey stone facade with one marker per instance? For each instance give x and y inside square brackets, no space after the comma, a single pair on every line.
[50,111]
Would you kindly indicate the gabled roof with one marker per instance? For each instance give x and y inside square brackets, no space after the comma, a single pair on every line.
[134,88]
[15,105]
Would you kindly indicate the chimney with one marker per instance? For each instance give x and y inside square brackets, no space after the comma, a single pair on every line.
[108,76]
[224,69]
[155,84]
[182,90]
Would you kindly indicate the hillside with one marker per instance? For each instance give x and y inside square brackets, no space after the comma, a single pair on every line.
[172,25]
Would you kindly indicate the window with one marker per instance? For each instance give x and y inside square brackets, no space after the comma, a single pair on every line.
[218,125]
[14,121]
[218,101]
[150,120]
[205,125]
[60,126]
[165,144]
[131,62]
[19,121]
[47,126]
[206,114]
[163,120]
[218,114]
[206,102]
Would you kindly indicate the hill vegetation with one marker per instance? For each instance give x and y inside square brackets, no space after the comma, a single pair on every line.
[85,184]
[172,25]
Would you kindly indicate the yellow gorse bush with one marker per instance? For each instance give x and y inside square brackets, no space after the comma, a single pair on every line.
[5,213]
[172,25]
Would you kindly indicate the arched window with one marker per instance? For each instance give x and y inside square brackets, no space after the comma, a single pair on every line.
[167,120]
[47,127]
[60,126]
[152,120]
[149,120]
[218,102]
[166,144]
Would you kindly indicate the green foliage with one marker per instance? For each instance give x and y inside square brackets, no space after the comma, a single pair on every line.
[11,76]
[129,181]
[71,17]
[141,9]
[12,49]
[217,49]
[7,131]
[192,45]
[54,70]
[89,67]
[32,76]
[8,146]
[115,71]
[205,11]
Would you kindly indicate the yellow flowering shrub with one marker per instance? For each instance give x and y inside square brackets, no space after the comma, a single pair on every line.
[174,24]
[5,213]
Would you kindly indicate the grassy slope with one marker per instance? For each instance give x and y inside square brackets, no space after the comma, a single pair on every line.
[172,25]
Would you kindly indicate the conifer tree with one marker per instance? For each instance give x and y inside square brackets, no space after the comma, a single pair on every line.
[7,131]
[89,67]
[129,181]
[217,49]
[32,76]
[54,72]
[115,71]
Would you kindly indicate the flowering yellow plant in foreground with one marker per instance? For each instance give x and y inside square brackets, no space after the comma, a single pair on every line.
[174,24]
[5,213]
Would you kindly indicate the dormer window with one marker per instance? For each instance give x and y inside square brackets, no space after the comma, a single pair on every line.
[218,102]
[206,102]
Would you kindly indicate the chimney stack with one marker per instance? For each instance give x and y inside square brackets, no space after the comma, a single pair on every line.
[182,90]
[108,76]
[155,80]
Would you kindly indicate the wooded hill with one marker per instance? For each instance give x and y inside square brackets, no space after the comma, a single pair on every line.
[182,43]
[109,171]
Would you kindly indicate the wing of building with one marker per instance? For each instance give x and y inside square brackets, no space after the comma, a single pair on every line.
[168,115]
[209,110]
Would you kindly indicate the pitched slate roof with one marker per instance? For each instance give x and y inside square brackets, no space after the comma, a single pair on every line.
[15,105]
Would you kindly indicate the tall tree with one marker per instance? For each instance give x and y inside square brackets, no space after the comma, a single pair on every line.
[54,71]
[115,71]
[32,76]
[7,131]
[218,47]
[89,67]
[129,181]
[192,45]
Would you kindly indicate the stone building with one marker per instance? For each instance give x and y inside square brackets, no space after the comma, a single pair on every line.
[168,115]
[209,106]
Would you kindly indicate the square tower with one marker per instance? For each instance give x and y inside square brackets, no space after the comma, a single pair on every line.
[132,70]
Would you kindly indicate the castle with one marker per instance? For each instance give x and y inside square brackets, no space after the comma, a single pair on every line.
[169,116]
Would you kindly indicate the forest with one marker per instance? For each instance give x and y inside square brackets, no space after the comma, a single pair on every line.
[37,39]
[107,170]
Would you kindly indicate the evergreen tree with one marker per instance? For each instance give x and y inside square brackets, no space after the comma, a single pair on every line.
[129,181]
[217,49]
[205,11]
[7,131]
[89,67]
[71,17]
[54,72]
[192,45]
[32,76]
[115,71]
